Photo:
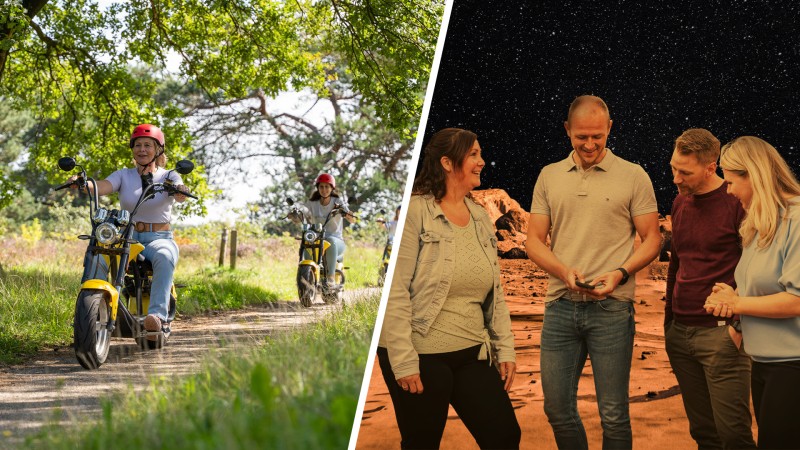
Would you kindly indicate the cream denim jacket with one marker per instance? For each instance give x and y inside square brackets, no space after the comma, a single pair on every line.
[422,280]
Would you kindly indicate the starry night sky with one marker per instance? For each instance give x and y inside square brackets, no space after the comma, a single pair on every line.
[509,71]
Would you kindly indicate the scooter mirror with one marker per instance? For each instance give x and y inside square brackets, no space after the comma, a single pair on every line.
[66,163]
[184,167]
[289,202]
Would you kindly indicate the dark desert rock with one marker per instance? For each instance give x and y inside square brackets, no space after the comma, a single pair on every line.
[514,253]
[504,235]
[514,220]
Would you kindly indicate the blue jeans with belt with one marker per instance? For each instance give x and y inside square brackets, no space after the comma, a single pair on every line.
[604,331]
[162,252]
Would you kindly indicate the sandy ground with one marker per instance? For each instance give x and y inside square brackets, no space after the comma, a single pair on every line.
[52,386]
[658,419]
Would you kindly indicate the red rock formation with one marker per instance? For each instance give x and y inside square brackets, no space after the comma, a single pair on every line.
[510,220]
[496,202]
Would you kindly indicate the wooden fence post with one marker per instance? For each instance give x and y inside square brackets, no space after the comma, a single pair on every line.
[222,247]
[233,248]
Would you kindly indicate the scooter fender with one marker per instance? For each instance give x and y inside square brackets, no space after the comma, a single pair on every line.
[308,262]
[103,285]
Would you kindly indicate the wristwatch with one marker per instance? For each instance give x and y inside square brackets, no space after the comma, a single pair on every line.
[625,276]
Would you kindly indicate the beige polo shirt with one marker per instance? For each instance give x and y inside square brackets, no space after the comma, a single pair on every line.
[591,215]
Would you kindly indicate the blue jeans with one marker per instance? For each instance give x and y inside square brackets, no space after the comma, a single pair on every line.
[571,331]
[336,249]
[162,252]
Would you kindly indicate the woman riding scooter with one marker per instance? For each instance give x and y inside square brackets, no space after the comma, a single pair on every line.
[391,226]
[322,201]
[152,218]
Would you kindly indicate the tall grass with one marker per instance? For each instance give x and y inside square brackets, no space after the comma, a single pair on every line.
[298,390]
[41,280]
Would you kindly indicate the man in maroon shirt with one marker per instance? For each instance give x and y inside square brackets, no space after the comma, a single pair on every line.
[705,352]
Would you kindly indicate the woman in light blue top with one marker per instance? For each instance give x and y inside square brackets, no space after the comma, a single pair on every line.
[768,280]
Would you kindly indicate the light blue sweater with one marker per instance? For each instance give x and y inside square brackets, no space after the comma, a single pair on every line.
[769,271]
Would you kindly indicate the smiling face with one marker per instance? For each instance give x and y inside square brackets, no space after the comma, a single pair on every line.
[324,189]
[739,186]
[469,176]
[690,175]
[144,150]
[588,131]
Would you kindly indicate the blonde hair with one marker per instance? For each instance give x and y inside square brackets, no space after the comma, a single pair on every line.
[771,179]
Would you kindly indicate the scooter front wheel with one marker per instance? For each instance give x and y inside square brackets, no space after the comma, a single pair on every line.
[91,336]
[306,285]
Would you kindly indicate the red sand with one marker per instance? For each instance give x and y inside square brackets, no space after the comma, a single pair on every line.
[657,416]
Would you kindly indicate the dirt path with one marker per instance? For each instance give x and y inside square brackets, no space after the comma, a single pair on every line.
[53,385]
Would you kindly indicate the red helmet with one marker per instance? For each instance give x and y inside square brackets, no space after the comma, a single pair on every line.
[325,178]
[147,130]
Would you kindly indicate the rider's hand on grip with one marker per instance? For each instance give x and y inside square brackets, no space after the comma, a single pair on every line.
[73,182]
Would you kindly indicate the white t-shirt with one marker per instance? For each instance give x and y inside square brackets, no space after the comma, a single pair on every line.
[391,228]
[319,212]
[129,185]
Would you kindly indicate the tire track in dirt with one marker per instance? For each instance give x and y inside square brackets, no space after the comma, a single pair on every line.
[53,386]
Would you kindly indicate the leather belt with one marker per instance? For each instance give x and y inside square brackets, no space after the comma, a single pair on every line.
[579,297]
[142,227]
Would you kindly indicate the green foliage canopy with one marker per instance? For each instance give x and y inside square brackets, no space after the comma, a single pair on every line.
[89,74]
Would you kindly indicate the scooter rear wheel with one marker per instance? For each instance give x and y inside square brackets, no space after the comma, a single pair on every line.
[91,337]
[306,285]
[337,294]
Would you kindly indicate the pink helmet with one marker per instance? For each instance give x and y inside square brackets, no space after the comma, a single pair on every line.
[325,178]
[147,130]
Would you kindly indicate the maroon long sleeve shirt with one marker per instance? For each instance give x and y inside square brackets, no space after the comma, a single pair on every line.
[706,248]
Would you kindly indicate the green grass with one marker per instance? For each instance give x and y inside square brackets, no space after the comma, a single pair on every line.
[298,390]
[36,308]
[41,282]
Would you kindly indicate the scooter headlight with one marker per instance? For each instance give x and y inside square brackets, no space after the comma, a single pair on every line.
[310,236]
[106,233]
[100,215]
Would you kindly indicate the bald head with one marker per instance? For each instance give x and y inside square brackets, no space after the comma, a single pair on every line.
[587,106]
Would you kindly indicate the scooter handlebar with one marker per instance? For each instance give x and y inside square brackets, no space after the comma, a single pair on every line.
[65,185]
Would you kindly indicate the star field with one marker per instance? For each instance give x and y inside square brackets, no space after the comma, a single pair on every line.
[509,71]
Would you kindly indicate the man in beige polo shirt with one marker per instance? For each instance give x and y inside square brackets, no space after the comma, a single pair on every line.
[592,204]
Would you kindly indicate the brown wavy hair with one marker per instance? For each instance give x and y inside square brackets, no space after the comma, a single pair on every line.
[316,196]
[453,143]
